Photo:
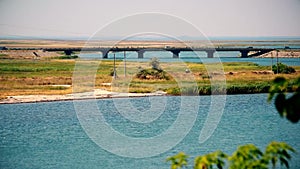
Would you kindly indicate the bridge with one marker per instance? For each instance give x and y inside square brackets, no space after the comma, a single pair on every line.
[245,52]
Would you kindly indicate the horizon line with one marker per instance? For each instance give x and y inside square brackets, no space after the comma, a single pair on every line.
[192,38]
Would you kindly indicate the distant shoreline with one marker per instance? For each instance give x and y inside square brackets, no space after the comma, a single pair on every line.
[29,43]
[187,38]
[290,47]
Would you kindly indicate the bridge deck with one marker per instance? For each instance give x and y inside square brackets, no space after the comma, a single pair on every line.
[174,50]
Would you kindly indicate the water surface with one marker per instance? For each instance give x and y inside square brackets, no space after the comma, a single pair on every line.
[194,57]
[49,135]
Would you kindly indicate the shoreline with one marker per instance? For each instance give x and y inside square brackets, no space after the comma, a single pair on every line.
[13,100]
[23,99]
[104,94]
[97,94]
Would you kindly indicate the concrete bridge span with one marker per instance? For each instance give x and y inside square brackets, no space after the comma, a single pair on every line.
[174,50]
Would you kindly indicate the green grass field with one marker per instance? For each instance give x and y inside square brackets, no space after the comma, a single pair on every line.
[23,77]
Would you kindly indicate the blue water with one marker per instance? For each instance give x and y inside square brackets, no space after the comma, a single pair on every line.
[49,135]
[197,57]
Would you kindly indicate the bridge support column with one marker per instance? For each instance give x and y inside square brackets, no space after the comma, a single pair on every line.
[68,52]
[210,53]
[104,54]
[175,53]
[140,54]
[244,53]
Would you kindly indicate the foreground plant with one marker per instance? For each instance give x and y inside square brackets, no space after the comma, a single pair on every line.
[245,157]
[278,151]
[210,160]
[288,107]
[178,161]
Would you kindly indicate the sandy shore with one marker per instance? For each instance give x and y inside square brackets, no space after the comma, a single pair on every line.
[281,54]
[97,94]
[27,54]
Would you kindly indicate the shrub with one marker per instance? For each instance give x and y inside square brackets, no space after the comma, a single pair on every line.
[282,68]
[154,62]
[204,90]
[152,74]
[111,73]
[68,57]
[174,91]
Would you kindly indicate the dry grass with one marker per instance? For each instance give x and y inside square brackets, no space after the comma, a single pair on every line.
[23,77]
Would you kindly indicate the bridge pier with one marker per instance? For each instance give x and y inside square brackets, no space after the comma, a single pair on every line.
[175,53]
[140,54]
[210,53]
[104,54]
[68,52]
[244,53]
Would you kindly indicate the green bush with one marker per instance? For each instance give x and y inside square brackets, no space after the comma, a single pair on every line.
[231,89]
[152,74]
[187,91]
[282,68]
[204,90]
[248,89]
[68,57]
[174,91]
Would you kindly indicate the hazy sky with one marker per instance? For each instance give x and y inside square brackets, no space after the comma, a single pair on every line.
[212,17]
